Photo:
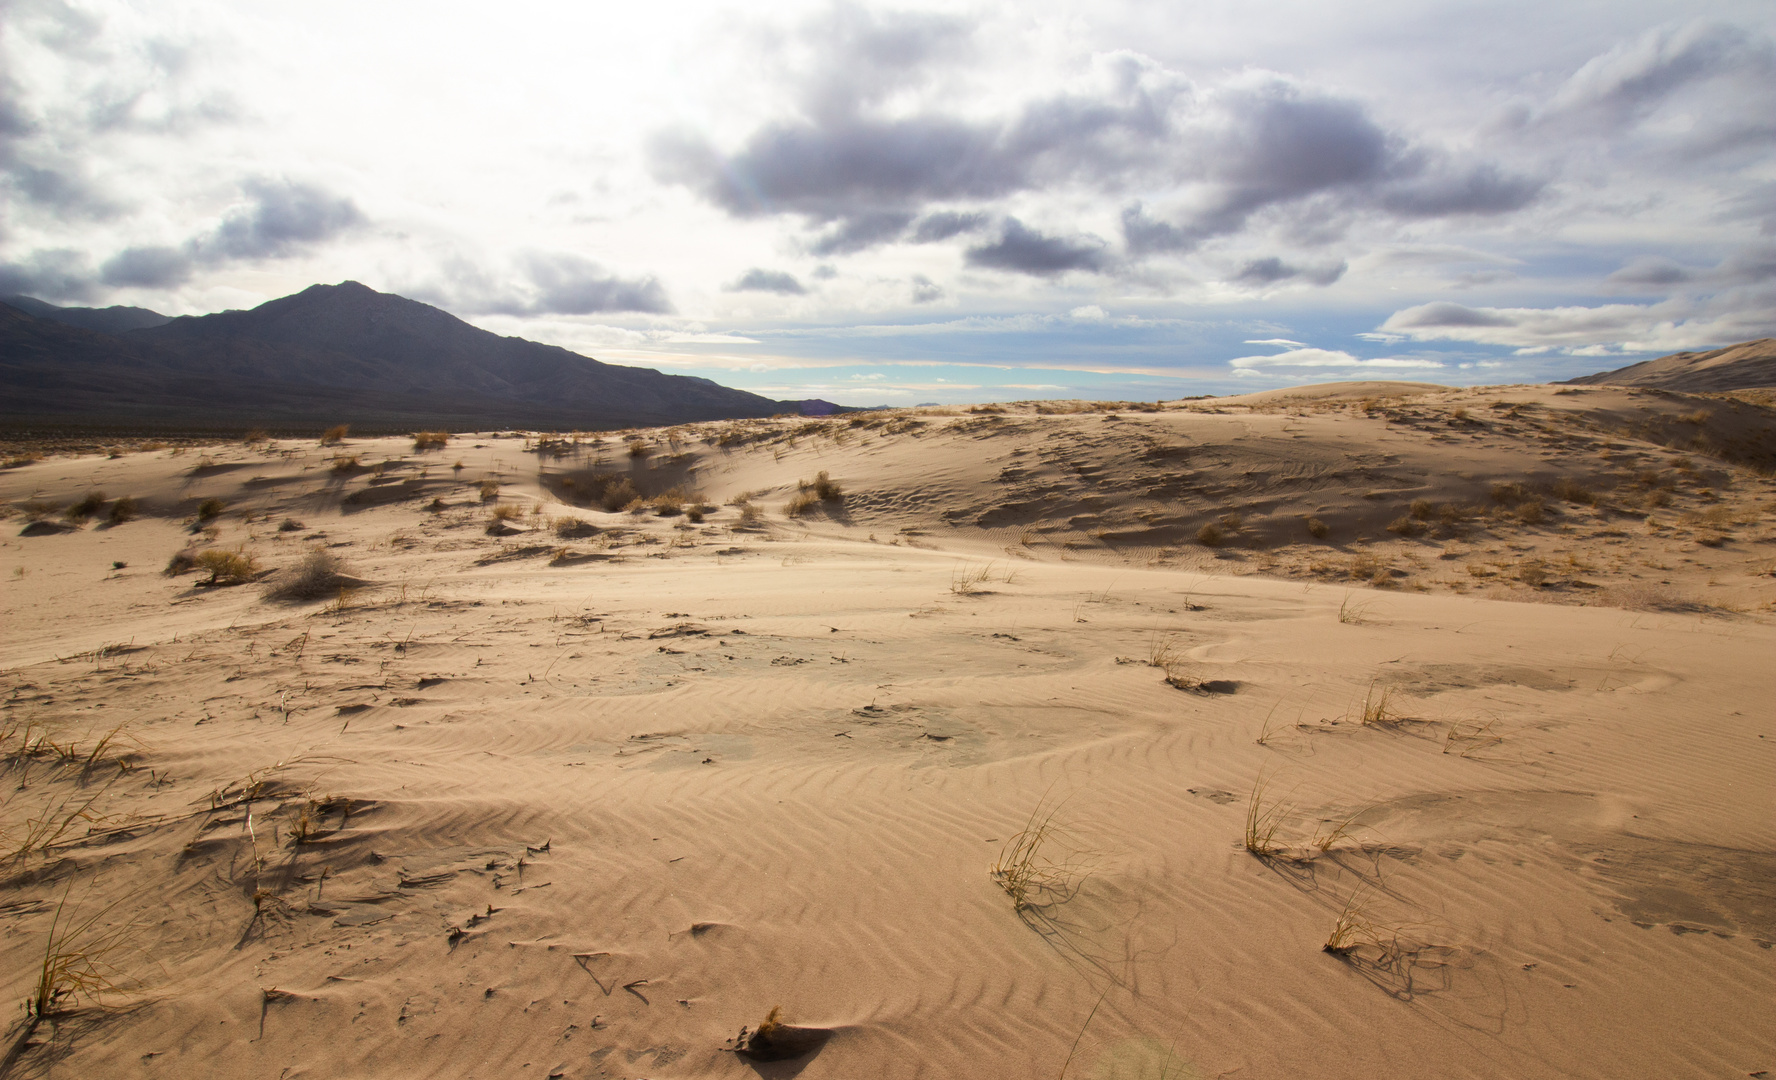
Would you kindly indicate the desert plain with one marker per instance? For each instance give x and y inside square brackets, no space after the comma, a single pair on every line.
[1370,729]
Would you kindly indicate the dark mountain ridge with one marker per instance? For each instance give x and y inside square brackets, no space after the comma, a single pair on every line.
[111,320]
[336,354]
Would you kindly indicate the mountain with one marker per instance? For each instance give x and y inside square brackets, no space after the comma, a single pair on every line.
[1736,367]
[337,354]
[111,320]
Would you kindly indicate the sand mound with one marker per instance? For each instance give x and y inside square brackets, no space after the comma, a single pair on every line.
[994,764]
[1745,365]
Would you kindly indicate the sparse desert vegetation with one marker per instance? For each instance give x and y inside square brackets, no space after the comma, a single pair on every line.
[354,828]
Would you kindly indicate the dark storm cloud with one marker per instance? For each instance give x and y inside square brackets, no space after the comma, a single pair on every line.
[55,275]
[860,232]
[944,224]
[568,284]
[771,281]
[148,267]
[1228,153]
[282,219]
[538,283]
[1023,250]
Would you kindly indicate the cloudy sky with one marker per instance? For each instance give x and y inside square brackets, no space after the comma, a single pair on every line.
[892,204]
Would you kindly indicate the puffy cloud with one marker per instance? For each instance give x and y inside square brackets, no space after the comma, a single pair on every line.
[925,291]
[284,217]
[540,283]
[771,281]
[1023,250]
[280,219]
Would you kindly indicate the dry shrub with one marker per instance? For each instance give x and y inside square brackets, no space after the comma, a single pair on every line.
[1317,528]
[319,574]
[617,494]
[670,503]
[86,508]
[210,509]
[800,503]
[569,528]
[1422,509]
[124,509]
[1210,536]
[1509,494]
[36,510]
[1573,492]
[257,435]
[827,490]
[345,463]
[750,515]
[1533,572]
[430,440]
[1404,525]
[507,511]
[489,490]
[1531,511]
[335,435]
[638,449]
[694,513]
[227,567]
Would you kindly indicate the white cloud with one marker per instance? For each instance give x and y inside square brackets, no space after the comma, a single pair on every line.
[1328,358]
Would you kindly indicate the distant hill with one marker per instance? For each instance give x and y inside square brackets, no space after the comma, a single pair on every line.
[1736,367]
[335,354]
[111,320]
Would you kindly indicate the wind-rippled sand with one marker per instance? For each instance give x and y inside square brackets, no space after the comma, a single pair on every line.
[584,806]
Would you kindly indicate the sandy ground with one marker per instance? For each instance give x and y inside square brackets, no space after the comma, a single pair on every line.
[586,798]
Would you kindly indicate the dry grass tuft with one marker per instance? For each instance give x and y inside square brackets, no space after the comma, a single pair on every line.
[1211,536]
[1026,872]
[1317,528]
[124,509]
[77,963]
[1353,927]
[210,509]
[1377,708]
[320,574]
[335,435]
[430,440]
[1263,822]
[87,508]
[227,567]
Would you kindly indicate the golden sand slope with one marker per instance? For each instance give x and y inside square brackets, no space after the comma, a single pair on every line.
[584,806]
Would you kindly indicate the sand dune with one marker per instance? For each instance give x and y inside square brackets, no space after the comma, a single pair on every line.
[585,796]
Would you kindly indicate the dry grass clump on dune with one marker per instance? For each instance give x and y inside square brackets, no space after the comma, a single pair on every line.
[810,493]
[227,567]
[87,508]
[335,435]
[318,574]
[430,440]
[124,509]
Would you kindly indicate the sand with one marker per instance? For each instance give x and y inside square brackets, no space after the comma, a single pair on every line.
[586,805]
